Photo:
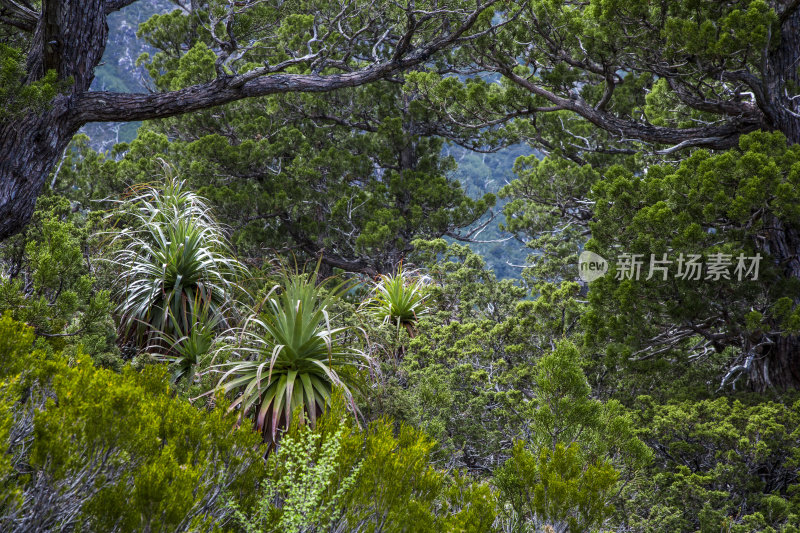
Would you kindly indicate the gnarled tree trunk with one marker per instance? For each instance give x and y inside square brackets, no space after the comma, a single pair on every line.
[70,38]
[778,363]
[29,149]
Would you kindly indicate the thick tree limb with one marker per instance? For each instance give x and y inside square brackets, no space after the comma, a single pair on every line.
[18,14]
[786,8]
[19,24]
[314,249]
[729,108]
[754,90]
[110,107]
[68,40]
[116,5]
[720,137]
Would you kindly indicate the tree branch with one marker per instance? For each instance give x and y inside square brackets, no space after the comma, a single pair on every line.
[110,107]
[116,5]
[51,52]
[719,137]
[17,23]
[735,109]
[786,10]
[22,16]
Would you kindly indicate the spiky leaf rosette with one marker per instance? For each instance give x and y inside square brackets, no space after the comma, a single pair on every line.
[186,349]
[291,357]
[174,256]
[399,298]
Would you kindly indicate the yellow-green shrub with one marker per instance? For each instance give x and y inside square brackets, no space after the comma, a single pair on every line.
[114,452]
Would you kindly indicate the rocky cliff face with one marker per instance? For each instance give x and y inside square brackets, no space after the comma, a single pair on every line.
[118,71]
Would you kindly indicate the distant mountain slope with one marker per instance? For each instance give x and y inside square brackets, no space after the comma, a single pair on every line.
[479,174]
[118,71]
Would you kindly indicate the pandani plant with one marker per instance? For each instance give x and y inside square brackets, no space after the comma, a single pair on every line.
[185,349]
[288,358]
[173,259]
[398,299]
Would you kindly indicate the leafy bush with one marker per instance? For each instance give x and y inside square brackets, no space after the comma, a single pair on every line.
[722,464]
[50,280]
[334,477]
[18,97]
[97,450]
[557,488]
[577,450]
[467,377]
[295,499]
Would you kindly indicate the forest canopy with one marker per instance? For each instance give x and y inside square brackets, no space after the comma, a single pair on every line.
[440,265]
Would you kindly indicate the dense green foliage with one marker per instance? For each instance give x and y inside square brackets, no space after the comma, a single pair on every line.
[720,465]
[742,196]
[19,98]
[51,281]
[162,370]
[96,449]
[93,449]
